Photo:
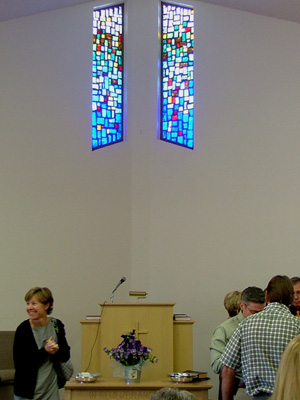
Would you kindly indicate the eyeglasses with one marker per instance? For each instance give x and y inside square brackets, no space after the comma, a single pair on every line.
[251,311]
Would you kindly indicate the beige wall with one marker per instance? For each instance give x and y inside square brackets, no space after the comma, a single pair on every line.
[186,226]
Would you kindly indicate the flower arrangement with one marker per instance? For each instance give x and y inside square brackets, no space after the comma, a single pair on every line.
[131,351]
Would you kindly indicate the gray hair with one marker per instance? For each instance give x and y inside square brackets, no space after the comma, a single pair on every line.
[253,294]
[295,280]
[173,394]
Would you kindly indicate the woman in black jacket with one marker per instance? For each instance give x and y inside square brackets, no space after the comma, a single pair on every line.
[40,342]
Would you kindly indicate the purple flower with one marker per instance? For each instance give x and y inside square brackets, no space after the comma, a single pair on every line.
[130,351]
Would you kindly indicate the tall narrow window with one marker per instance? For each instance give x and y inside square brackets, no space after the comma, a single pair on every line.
[107,85]
[177,75]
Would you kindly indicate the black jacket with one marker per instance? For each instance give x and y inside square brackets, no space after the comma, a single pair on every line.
[27,357]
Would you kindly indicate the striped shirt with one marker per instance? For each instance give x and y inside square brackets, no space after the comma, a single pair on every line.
[257,346]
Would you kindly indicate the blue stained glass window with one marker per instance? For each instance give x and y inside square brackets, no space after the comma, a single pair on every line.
[177,75]
[107,84]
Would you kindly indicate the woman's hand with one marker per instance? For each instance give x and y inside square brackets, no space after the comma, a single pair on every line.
[51,347]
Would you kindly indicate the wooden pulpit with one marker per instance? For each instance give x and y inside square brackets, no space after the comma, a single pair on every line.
[171,342]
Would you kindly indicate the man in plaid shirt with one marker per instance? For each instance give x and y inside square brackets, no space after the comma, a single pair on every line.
[259,341]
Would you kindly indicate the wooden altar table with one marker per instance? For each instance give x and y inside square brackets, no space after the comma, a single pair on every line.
[117,389]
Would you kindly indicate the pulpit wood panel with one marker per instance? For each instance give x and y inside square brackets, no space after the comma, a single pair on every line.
[91,346]
[153,323]
[183,345]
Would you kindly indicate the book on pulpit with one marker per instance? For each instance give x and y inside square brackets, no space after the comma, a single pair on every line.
[93,317]
[181,317]
[201,375]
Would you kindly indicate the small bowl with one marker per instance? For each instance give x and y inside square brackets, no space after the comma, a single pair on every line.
[182,377]
[84,377]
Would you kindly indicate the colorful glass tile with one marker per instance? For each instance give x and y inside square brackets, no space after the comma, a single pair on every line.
[177,75]
[107,84]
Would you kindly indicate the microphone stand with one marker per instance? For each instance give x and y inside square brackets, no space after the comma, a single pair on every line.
[113,292]
[112,296]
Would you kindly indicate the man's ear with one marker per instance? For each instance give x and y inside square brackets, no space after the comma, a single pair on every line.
[267,297]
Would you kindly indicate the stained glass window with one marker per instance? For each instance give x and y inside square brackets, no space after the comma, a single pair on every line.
[177,75]
[107,84]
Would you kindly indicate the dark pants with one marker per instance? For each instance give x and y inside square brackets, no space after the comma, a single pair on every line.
[262,396]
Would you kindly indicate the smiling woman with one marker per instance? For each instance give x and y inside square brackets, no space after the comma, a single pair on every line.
[40,342]
[39,303]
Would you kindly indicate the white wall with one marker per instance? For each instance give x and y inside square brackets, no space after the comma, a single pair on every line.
[186,226]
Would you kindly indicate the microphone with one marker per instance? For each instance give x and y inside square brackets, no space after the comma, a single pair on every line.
[119,283]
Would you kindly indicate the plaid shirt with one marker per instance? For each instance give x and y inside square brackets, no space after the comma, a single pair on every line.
[257,346]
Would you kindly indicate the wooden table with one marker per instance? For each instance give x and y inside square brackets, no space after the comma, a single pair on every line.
[117,389]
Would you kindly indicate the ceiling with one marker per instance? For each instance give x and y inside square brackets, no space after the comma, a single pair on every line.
[288,10]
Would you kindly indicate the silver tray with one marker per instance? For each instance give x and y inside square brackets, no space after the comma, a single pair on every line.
[84,377]
[182,377]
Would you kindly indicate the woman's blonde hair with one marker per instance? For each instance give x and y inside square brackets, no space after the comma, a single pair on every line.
[232,303]
[287,384]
